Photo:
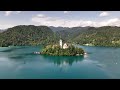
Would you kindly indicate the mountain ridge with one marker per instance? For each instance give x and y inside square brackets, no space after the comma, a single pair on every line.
[36,35]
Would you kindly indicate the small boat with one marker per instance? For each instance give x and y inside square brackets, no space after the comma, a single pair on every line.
[37,53]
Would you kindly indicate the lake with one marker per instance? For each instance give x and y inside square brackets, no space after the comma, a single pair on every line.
[21,63]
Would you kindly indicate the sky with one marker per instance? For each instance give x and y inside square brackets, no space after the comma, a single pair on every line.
[59,18]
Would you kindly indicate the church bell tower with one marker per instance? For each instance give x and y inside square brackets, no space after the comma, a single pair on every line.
[60,43]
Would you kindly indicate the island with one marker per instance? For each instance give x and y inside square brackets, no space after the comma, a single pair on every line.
[62,50]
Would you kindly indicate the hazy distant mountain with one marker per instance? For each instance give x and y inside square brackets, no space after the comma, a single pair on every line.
[2,30]
[55,29]
[70,33]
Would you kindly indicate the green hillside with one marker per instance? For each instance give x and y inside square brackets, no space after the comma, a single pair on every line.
[36,35]
[27,35]
[103,36]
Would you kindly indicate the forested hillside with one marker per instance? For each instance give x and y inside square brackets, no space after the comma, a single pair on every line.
[27,35]
[103,36]
[36,35]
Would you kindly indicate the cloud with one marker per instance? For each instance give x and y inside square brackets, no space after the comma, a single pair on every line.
[56,21]
[111,22]
[5,26]
[18,11]
[7,13]
[66,12]
[45,20]
[40,15]
[104,14]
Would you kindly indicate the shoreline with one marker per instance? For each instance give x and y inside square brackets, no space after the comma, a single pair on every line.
[39,53]
[73,44]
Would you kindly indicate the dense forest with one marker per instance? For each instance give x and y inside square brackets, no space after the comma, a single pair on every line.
[27,35]
[102,36]
[36,35]
[67,34]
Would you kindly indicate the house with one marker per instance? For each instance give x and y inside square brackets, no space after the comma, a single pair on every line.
[65,46]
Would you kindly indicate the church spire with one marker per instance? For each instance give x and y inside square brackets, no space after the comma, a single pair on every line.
[60,43]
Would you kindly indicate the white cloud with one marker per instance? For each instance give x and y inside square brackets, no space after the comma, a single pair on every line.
[104,14]
[55,21]
[66,12]
[41,19]
[44,20]
[18,12]
[41,15]
[7,13]
[111,22]
[5,26]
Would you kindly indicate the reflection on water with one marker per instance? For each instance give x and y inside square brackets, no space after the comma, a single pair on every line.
[21,56]
[10,49]
[98,63]
[63,60]
[17,56]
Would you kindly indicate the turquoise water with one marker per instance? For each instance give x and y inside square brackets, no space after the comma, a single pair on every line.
[21,63]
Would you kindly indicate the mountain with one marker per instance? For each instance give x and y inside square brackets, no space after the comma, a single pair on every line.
[36,35]
[69,33]
[55,29]
[96,36]
[102,36]
[27,35]
[1,30]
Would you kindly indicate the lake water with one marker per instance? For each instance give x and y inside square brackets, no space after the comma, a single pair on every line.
[21,63]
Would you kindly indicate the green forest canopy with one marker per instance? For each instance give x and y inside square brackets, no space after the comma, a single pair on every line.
[36,35]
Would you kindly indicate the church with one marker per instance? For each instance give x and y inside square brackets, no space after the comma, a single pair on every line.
[64,46]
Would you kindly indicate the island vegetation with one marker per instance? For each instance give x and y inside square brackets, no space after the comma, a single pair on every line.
[56,50]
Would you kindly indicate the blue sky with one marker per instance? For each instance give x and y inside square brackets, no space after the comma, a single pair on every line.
[59,18]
